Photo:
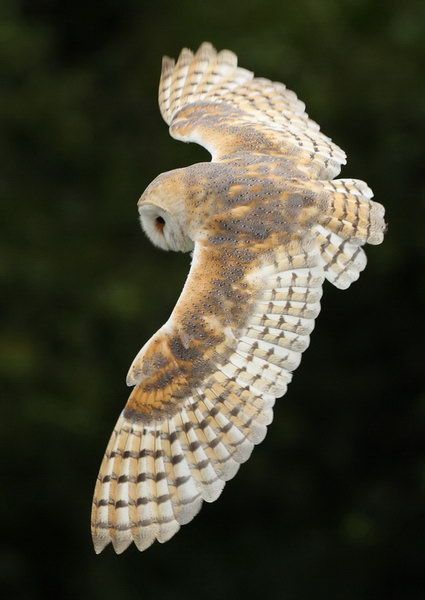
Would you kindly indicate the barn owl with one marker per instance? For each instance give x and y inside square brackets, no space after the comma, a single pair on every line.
[266,223]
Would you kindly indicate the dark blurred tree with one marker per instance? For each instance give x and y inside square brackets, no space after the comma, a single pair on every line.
[331,504]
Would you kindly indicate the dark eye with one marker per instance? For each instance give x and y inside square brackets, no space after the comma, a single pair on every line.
[159,224]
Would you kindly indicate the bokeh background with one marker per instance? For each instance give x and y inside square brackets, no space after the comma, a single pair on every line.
[331,505]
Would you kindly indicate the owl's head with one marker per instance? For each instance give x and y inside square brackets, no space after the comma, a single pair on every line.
[163,212]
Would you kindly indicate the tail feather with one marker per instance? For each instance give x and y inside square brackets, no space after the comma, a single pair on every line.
[351,220]
[343,261]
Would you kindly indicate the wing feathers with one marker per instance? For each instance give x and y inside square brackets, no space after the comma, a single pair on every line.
[196,76]
[209,482]
[207,80]
[155,475]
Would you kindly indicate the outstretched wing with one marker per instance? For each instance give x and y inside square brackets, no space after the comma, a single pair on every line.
[205,384]
[206,98]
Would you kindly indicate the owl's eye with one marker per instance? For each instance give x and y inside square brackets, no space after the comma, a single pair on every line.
[159,224]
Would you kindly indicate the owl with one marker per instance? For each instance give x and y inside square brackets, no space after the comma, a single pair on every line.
[266,223]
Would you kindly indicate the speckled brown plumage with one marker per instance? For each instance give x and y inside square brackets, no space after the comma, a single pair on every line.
[267,224]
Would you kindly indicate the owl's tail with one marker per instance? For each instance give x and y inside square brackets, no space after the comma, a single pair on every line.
[351,220]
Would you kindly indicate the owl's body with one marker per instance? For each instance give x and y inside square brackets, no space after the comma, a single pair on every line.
[266,225]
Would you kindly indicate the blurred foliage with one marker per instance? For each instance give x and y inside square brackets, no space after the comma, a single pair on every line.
[331,504]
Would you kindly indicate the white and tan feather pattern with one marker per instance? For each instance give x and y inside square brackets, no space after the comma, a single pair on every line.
[267,226]
[206,97]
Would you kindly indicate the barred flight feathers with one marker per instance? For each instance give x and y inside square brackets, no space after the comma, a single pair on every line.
[267,225]
[206,98]
[157,471]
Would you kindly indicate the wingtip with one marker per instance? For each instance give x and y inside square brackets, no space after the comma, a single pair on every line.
[121,543]
[167,64]
[206,48]
[100,543]
[185,56]
[144,540]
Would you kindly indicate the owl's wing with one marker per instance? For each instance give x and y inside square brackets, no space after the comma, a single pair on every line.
[205,385]
[206,98]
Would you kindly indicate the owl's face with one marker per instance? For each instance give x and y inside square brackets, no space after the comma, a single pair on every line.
[163,213]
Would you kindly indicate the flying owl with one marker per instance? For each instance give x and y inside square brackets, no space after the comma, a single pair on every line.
[266,223]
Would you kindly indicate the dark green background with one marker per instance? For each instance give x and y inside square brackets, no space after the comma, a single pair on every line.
[331,505]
